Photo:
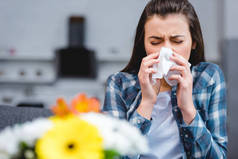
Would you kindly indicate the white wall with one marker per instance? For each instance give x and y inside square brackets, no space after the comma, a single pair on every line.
[39,27]
[208,14]
[231,19]
[230,55]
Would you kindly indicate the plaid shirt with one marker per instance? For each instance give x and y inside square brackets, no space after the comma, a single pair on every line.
[206,136]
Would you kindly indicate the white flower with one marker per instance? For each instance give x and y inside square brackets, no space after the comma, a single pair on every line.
[34,130]
[118,134]
[8,141]
[10,137]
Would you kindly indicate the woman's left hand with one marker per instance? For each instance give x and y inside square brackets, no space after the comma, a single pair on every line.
[185,87]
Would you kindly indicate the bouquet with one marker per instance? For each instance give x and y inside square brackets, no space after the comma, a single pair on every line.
[76,131]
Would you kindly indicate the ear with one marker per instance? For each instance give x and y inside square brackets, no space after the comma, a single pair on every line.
[194,45]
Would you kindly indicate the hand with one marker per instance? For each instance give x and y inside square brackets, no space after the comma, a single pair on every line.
[149,91]
[185,87]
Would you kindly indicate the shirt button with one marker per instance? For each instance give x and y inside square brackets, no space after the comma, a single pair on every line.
[138,122]
[176,109]
[186,135]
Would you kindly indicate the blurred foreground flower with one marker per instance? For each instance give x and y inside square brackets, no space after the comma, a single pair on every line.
[80,104]
[77,131]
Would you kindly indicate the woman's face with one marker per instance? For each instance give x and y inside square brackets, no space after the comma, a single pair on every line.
[171,31]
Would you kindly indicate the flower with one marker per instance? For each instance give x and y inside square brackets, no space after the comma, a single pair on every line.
[61,108]
[70,138]
[28,132]
[118,134]
[77,131]
[82,104]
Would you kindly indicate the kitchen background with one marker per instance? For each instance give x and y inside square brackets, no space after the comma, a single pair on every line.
[41,59]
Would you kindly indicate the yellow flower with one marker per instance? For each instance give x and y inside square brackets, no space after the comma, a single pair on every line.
[70,138]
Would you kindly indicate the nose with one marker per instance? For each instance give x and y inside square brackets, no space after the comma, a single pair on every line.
[167,44]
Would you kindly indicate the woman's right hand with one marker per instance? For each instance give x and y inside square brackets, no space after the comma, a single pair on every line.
[148,90]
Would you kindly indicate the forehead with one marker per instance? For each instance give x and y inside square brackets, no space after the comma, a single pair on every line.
[168,25]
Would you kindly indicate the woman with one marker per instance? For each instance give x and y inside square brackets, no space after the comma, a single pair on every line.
[184,121]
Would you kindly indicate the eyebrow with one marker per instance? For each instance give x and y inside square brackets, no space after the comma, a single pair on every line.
[176,36]
[156,37]
[160,38]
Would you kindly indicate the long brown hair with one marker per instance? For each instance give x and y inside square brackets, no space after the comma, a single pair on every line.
[163,8]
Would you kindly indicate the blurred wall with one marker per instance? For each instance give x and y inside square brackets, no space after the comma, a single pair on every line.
[230,64]
[210,13]
[231,22]
[39,27]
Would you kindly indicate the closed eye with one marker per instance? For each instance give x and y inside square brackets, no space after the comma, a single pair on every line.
[155,43]
[155,40]
[178,41]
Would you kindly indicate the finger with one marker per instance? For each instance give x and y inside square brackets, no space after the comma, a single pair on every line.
[180,69]
[146,75]
[176,77]
[179,60]
[151,56]
[150,70]
[151,62]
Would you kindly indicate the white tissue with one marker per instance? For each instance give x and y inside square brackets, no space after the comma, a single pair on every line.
[163,67]
[171,82]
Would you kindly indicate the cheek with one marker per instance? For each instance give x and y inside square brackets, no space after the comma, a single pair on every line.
[184,51]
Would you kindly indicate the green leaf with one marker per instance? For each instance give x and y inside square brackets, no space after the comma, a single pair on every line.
[25,152]
[111,154]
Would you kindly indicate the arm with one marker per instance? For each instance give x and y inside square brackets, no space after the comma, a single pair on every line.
[208,139]
[115,105]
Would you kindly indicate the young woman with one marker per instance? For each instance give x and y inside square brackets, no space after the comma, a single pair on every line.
[184,121]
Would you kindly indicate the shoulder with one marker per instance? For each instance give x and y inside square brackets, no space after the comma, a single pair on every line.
[122,79]
[207,67]
[206,74]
